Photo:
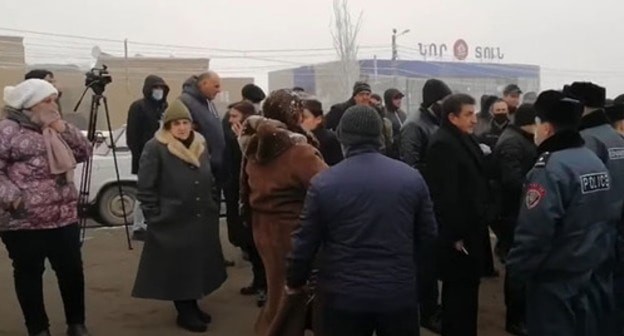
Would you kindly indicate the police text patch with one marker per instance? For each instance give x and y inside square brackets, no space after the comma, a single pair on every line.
[534,194]
[591,183]
[616,153]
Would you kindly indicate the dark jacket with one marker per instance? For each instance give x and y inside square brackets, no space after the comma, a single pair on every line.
[369,213]
[144,118]
[456,174]
[394,114]
[564,236]
[332,119]
[182,257]
[608,145]
[490,136]
[329,145]
[514,155]
[238,234]
[209,125]
[414,138]
[397,117]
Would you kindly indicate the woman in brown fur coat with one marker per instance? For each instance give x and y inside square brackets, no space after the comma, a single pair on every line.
[279,163]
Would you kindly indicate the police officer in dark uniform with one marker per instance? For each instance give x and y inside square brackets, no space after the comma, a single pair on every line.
[602,139]
[564,228]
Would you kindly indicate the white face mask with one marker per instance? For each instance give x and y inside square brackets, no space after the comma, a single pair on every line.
[158,94]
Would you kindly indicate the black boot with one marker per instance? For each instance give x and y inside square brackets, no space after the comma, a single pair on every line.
[188,318]
[43,333]
[203,316]
[77,330]
[517,329]
[433,322]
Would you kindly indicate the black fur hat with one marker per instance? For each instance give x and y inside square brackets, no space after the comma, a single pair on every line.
[554,107]
[253,93]
[589,94]
[615,112]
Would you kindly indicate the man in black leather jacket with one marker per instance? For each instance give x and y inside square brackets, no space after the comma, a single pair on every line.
[413,143]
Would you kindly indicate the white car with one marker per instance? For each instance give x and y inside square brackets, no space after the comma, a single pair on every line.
[104,197]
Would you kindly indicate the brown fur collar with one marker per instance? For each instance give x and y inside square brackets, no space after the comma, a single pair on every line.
[189,155]
[266,139]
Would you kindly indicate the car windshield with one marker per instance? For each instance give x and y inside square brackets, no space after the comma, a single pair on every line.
[103,146]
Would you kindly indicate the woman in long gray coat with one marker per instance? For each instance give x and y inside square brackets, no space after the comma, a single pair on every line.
[182,259]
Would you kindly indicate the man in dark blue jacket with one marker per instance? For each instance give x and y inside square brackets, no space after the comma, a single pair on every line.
[370,214]
[565,231]
[198,94]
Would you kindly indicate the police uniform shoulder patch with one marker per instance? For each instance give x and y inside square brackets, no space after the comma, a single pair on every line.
[542,160]
[534,194]
[591,183]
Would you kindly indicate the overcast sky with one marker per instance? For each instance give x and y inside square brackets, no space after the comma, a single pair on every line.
[569,39]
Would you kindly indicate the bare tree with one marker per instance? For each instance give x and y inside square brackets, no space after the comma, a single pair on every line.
[345,32]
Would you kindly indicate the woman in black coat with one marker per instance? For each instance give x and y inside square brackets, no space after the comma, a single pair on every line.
[182,259]
[313,122]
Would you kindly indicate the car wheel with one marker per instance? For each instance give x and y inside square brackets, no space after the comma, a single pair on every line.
[110,205]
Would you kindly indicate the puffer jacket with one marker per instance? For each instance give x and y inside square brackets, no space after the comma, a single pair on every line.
[47,201]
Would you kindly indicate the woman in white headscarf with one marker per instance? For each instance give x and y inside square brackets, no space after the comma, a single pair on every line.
[38,202]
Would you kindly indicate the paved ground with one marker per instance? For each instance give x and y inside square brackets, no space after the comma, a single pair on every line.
[110,270]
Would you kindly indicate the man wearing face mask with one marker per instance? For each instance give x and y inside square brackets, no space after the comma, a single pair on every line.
[144,118]
[564,233]
[499,121]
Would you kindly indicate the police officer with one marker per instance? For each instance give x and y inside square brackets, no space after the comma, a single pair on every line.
[602,139]
[563,231]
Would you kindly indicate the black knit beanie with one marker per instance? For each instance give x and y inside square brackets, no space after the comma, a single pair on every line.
[434,90]
[360,125]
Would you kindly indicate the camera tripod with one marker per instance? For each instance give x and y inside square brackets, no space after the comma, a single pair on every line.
[97,99]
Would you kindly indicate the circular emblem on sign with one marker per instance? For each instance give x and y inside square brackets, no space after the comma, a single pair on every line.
[460,49]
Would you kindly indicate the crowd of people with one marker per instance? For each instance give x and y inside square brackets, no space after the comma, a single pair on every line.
[350,219]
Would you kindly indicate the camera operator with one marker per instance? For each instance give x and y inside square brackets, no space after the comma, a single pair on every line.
[38,155]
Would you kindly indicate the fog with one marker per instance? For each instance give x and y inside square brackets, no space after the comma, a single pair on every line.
[570,40]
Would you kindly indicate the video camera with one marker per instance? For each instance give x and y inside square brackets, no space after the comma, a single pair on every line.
[97,79]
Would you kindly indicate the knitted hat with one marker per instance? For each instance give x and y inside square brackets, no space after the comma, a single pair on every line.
[360,125]
[361,87]
[176,111]
[590,94]
[554,107]
[525,115]
[253,93]
[615,112]
[28,93]
[434,90]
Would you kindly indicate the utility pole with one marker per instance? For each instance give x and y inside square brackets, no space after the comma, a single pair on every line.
[395,53]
